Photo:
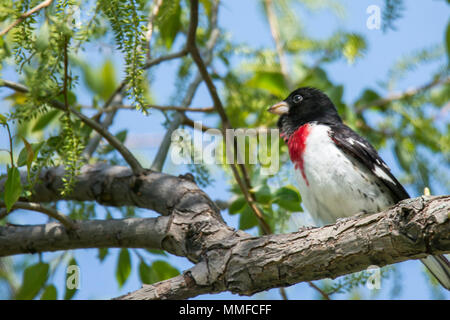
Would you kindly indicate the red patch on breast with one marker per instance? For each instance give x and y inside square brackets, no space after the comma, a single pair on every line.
[297,146]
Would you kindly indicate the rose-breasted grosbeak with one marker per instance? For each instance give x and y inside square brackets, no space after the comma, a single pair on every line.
[339,173]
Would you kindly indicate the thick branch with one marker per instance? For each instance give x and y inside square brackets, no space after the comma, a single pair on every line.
[412,229]
[127,233]
[114,186]
[226,259]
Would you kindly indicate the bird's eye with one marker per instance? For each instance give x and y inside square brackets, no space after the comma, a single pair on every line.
[297,98]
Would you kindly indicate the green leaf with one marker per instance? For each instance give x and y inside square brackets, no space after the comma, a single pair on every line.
[44,120]
[354,47]
[122,135]
[207,4]
[102,253]
[263,194]
[367,97]
[147,274]
[288,198]
[70,279]
[3,119]
[272,81]
[247,219]
[34,278]
[71,98]
[440,96]
[108,79]
[164,270]
[169,21]
[237,205]
[157,251]
[24,154]
[43,37]
[13,187]
[49,293]
[30,154]
[123,270]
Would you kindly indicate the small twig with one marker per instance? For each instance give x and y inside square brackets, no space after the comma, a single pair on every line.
[66,75]
[94,141]
[151,106]
[116,92]
[113,141]
[403,95]
[170,56]
[116,99]
[43,4]
[68,223]
[189,122]
[182,109]
[323,293]
[13,85]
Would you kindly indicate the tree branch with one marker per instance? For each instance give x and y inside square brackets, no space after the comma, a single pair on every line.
[127,233]
[152,106]
[170,56]
[412,229]
[111,186]
[226,259]
[403,95]
[68,223]
[40,6]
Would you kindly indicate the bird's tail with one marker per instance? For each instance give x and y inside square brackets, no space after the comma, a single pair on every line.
[439,267]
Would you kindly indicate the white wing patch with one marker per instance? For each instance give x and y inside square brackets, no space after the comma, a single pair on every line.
[381,174]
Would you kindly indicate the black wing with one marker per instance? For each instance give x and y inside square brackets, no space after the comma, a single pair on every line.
[359,148]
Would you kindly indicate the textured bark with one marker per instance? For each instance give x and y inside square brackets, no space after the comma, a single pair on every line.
[118,186]
[126,233]
[412,229]
[227,259]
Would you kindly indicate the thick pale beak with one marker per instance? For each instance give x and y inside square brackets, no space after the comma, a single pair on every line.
[279,108]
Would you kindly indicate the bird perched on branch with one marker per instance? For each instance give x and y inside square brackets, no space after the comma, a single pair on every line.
[339,173]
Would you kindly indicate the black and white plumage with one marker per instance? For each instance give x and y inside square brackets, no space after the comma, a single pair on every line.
[339,173]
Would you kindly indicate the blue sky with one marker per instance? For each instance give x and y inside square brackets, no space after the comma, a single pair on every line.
[422,25]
